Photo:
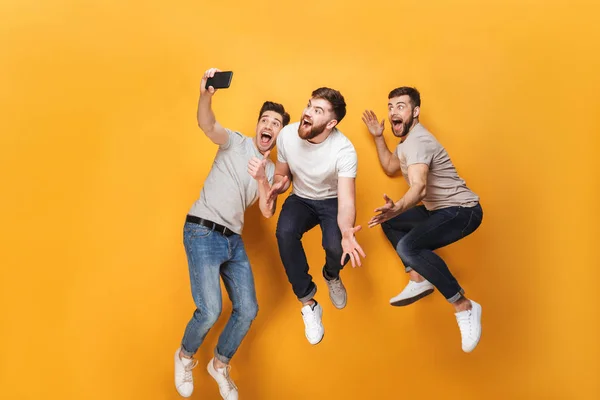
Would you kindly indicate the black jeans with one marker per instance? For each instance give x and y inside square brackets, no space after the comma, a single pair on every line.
[417,232]
[298,216]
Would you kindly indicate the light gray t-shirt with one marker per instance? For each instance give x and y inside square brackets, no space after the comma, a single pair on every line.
[316,167]
[229,189]
[444,187]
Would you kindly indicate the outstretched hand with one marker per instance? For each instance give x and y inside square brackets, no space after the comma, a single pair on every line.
[386,212]
[351,247]
[276,189]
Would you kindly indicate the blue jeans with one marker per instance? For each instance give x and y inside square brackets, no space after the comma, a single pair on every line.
[210,255]
[298,216]
[417,232]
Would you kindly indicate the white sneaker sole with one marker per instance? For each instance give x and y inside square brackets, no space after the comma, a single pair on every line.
[410,300]
[316,343]
[339,306]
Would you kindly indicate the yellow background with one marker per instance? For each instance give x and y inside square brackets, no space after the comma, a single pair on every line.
[101,158]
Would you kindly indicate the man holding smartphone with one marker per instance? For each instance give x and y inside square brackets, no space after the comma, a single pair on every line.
[241,174]
[322,164]
[450,210]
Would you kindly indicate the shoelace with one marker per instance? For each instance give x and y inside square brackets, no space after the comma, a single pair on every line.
[230,384]
[464,322]
[336,286]
[187,374]
[310,318]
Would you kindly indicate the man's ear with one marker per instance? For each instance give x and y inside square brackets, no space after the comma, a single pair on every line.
[416,112]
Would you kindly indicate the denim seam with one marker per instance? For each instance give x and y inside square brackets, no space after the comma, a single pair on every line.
[438,272]
[462,233]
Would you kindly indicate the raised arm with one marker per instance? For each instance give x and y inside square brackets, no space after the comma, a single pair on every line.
[389,161]
[206,117]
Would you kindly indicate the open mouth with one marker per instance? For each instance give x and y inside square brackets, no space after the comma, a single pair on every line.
[306,123]
[397,123]
[265,138]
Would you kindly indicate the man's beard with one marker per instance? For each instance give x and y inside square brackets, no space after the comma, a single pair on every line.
[314,131]
[406,125]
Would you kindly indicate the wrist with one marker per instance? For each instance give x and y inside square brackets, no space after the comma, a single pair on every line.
[346,232]
[398,206]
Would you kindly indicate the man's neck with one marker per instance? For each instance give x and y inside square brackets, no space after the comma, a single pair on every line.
[254,139]
[321,137]
[415,123]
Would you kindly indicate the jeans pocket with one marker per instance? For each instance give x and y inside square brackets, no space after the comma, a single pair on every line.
[196,231]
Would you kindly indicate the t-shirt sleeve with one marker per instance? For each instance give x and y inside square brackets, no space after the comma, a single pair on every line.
[420,151]
[281,156]
[347,162]
[235,139]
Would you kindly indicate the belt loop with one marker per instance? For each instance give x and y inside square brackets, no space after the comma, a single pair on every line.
[214,226]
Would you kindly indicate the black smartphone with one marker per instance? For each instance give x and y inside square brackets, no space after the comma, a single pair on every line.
[221,80]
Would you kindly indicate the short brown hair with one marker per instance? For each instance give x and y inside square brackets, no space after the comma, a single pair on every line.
[336,100]
[275,107]
[415,96]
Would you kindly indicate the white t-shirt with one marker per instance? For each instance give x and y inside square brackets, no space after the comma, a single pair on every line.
[316,168]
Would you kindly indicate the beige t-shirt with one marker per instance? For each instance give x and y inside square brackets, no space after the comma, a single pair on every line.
[444,187]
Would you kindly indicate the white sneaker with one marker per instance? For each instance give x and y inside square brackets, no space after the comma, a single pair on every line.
[412,292]
[313,326]
[337,293]
[184,381]
[469,323]
[227,388]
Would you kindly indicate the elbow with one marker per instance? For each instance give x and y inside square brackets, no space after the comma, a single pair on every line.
[208,129]
[389,173]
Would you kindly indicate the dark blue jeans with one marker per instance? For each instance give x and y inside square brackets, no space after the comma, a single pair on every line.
[417,232]
[298,216]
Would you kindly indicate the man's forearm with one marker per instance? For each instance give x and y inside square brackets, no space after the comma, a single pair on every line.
[263,190]
[206,116]
[411,198]
[346,217]
[383,153]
